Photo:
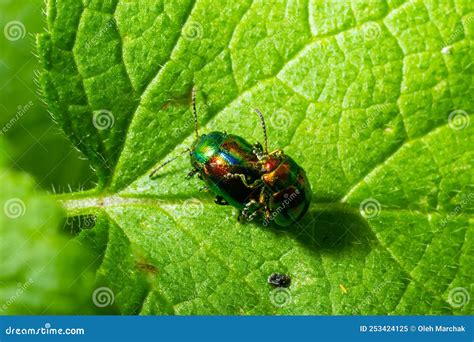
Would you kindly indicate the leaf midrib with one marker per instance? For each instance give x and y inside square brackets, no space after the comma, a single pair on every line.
[94,204]
[84,203]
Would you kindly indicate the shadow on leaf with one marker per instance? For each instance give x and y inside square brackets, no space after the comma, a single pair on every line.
[331,230]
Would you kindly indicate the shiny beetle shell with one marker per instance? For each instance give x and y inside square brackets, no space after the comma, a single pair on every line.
[270,185]
[287,189]
[218,157]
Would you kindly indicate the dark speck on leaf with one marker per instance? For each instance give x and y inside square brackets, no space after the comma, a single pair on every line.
[279,280]
[147,268]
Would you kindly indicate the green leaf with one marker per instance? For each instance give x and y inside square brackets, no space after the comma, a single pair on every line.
[43,271]
[372,98]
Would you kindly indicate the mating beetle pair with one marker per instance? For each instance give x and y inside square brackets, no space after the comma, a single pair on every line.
[248,177]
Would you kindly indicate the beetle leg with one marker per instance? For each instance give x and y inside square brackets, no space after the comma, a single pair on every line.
[220,200]
[250,210]
[255,184]
[244,180]
[204,188]
[263,200]
[191,173]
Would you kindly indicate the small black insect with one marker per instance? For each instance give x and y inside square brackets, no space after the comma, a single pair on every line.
[279,280]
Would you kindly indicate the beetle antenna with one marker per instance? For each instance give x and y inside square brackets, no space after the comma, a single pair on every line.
[264,127]
[193,99]
[153,173]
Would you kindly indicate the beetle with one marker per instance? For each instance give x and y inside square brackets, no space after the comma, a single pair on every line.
[247,176]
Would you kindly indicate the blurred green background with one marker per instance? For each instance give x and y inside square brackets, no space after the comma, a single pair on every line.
[37,145]
[44,268]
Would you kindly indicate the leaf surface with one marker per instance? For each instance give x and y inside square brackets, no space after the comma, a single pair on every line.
[372,98]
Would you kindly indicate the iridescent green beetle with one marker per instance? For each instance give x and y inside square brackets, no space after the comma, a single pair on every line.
[247,177]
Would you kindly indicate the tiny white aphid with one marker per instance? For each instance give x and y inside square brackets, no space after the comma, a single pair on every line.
[447,50]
